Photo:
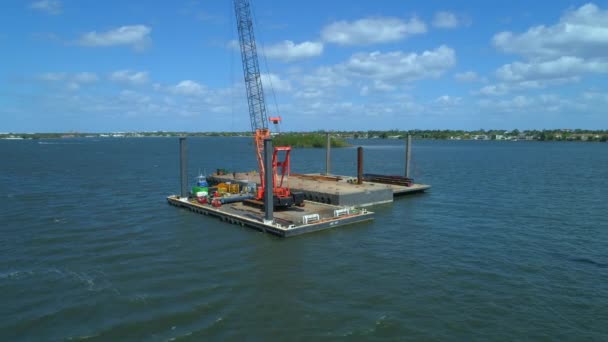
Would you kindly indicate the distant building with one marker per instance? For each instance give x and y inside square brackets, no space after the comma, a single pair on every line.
[579,136]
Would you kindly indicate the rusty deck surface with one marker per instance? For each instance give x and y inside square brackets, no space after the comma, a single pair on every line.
[334,189]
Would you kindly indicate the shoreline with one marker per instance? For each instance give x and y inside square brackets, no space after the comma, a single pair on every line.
[571,135]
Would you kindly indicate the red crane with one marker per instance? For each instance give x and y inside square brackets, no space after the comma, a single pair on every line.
[282,195]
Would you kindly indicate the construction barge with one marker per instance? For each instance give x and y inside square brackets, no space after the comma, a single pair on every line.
[273,200]
[237,203]
[329,201]
[334,190]
[311,217]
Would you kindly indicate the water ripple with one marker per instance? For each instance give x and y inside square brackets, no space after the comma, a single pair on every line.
[510,242]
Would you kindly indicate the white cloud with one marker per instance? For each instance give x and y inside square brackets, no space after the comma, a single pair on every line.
[446,20]
[188,87]
[137,36]
[336,111]
[132,96]
[467,76]
[73,80]
[576,46]
[70,81]
[447,100]
[128,76]
[582,33]
[85,77]
[444,104]
[494,90]
[504,88]
[562,68]
[383,86]
[375,87]
[233,44]
[273,81]
[543,103]
[364,91]
[325,77]
[309,94]
[73,86]
[48,6]
[401,67]
[289,51]
[371,30]
[595,95]
[53,76]
[374,72]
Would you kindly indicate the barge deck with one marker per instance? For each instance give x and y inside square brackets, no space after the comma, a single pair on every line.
[291,222]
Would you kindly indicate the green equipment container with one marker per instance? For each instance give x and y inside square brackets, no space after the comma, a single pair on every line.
[200,191]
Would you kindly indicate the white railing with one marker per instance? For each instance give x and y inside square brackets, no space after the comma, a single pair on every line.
[341,212]
[306,219]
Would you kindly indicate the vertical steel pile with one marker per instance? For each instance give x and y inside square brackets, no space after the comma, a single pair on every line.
[183,167]
[359,165]
[408,155]
[328,155]
[268,191]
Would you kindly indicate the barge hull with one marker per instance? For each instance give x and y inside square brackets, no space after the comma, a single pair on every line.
[285,225]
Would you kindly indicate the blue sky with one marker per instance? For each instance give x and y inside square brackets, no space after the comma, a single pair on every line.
[93,66]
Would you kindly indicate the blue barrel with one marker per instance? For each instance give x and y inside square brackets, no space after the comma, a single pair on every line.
[202,183]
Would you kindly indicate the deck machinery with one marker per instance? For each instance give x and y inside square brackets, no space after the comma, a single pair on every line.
[282,195]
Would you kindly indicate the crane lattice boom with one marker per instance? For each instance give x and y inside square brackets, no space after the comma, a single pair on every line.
[251,69]
[253,81]
[282,196]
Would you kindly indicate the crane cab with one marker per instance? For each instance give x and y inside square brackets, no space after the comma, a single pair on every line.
[276,120]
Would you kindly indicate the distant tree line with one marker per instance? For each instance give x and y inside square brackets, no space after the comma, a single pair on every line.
[318,137]
[307,140]
[482,134]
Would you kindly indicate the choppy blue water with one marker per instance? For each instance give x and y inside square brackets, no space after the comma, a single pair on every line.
[510,244]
